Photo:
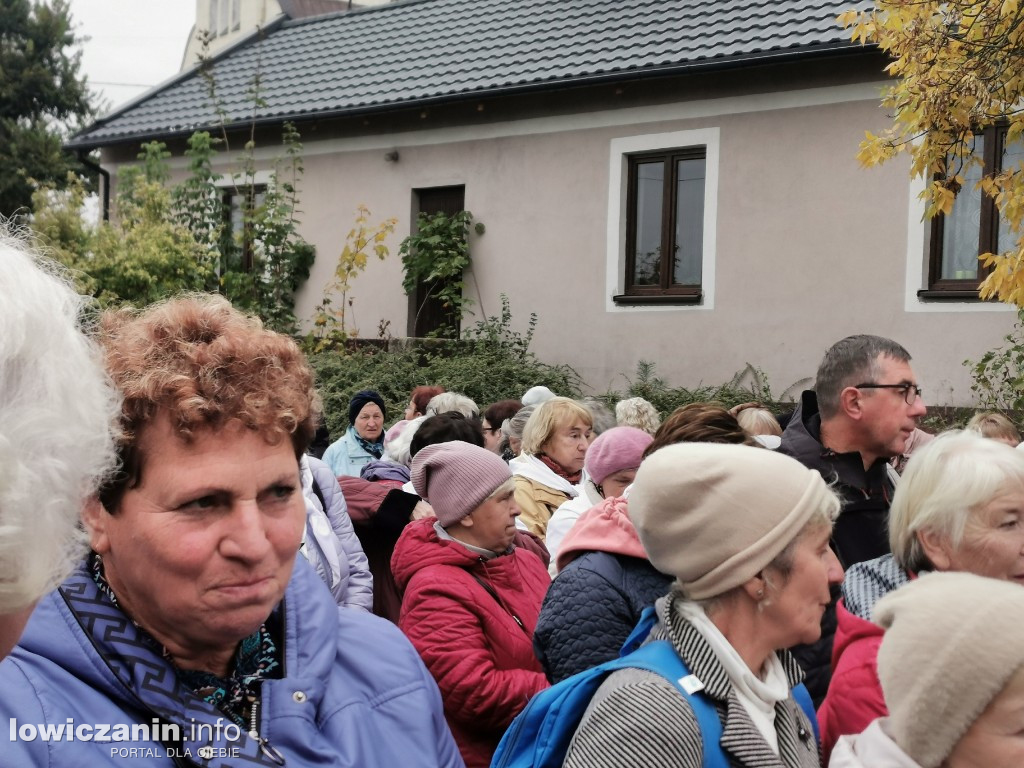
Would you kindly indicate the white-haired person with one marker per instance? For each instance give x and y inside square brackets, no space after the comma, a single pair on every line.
[57,415]
[958,507]
[951,666]
[512,431]
[639,413]
[745,532]
[448,402]
[549,468]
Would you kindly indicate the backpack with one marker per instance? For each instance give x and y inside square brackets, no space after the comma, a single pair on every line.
[540,736]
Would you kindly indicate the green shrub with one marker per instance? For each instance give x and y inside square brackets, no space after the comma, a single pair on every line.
[999,374]
[748,384]
[492,362]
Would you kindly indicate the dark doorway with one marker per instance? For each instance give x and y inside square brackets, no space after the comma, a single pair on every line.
[426,314]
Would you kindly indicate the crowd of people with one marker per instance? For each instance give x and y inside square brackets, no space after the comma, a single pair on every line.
[183,577]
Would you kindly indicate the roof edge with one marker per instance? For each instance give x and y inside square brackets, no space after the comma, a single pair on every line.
[840,48]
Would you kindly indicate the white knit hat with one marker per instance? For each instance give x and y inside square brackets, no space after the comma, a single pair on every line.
[952,642]
[715,515]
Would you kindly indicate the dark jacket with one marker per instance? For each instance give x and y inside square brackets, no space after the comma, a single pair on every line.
[379,513]
[598,597]
[861,533]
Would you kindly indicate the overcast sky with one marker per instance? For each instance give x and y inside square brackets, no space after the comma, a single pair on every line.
[133,45]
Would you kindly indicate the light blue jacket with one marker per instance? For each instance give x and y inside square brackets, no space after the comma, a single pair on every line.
[355,692]
[345,456]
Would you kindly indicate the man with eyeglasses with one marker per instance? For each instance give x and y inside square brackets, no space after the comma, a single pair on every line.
[865,405]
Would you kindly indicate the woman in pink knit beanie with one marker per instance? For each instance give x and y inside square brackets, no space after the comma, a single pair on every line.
[471,597]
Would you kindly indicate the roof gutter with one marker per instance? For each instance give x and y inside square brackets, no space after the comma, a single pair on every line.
[711,65]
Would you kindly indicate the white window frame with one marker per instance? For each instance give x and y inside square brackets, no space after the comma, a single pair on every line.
[618,180]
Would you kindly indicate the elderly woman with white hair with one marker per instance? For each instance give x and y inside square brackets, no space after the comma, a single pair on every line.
[958,507]
[951,665]
[745,532]
[57,412]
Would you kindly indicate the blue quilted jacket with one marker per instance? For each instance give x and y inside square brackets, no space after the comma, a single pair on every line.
[591,608]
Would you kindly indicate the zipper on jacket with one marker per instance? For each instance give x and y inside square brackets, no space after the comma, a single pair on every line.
[265,746]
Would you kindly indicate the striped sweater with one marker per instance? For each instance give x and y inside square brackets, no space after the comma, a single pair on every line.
[638,719]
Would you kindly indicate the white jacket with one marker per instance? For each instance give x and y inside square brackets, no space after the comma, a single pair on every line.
[565,517]
[329,542]
[870,749]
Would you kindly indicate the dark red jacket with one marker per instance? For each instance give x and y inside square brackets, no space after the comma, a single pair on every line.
[855,695]
[481,658]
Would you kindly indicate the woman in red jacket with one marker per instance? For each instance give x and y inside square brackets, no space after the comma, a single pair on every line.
[471,598]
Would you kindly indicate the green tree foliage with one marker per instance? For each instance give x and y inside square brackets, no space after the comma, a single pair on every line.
[164,239]
[437,254]
[142,257]
[42,97]
[332,327]
[959,68]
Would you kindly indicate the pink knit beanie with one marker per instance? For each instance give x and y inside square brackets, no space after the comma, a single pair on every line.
[456,478]
[614,450]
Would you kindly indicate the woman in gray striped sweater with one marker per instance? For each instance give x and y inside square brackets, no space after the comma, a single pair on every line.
[745,531]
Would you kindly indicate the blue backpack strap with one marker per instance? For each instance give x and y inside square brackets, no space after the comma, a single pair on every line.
[803,697]
[661,658]
[640,632]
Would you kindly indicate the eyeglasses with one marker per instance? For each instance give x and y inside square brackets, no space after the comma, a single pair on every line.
[910,391]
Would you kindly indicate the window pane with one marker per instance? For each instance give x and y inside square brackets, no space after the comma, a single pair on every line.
[213,17]
[236,14]
[960,229]
[1013,155]
[224,11]
[689,239]
[650,191]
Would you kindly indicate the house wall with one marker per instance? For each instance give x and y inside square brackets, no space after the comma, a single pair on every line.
[809,246]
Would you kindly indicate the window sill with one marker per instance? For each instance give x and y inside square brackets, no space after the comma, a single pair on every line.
[627,299]
[951,295]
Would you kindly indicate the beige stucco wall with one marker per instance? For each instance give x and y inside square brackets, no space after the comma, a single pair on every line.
[810,246]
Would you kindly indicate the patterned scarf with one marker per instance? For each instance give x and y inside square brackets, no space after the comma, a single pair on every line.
[374,449]
[257,658]
[558,469]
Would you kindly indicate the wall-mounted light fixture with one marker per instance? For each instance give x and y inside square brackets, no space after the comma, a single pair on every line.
[392,156]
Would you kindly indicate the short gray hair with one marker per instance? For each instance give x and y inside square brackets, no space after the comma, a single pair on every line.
[58,417]
[848,362]
[946,482]
[446,402]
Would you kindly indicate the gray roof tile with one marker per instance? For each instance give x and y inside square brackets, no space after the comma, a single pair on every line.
[424,50]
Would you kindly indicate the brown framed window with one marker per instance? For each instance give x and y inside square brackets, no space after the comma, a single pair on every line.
[973,227]
[665,226]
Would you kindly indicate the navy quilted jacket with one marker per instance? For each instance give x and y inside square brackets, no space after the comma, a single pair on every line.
[591,608]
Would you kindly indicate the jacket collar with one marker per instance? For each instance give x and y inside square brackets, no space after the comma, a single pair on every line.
[145,680]
[802,441]
[740,737]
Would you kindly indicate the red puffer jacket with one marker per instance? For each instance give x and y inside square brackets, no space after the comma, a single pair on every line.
[855,695]
[481,658]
